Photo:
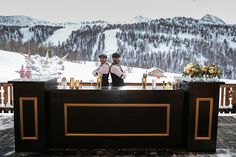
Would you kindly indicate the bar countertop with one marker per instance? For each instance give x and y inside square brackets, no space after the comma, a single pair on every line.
[128,88]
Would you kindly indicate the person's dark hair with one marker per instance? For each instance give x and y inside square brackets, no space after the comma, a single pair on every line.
[102,55]
[114,55]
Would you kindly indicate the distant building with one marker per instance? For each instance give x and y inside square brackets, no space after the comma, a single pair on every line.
[156,72]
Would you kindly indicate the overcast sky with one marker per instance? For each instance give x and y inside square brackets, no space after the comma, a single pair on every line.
[118,10]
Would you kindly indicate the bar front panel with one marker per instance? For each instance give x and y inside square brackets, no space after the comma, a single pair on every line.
[115,118]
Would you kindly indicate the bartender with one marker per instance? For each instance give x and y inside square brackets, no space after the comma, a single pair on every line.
[103,69]
[117,73]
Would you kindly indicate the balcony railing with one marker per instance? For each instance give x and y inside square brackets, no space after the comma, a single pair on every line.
[6,98]
[227,98]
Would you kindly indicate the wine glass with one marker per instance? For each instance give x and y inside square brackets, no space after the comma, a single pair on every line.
[91,82]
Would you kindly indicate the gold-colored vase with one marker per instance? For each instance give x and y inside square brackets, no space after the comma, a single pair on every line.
[72,83]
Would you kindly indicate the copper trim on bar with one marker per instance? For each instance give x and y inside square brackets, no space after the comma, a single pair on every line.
[35,100]
[167,106]
[196,137]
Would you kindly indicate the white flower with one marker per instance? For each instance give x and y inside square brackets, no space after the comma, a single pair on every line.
[188,68]
[211,71]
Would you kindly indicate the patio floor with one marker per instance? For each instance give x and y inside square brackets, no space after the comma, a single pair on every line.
[226,144]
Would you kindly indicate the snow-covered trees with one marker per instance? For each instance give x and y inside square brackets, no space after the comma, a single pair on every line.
[165,43]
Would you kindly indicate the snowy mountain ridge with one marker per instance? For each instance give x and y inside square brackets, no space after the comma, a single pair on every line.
[210,19]
[139,19]
[20,20]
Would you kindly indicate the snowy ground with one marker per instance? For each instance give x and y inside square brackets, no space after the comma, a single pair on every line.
[226,144]
[60,35]
[10,62]
[6,121]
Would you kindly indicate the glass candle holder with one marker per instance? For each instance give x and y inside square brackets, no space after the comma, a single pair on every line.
[99,81]
[81,83]
[77,84]
[154,83]
[72,83]
[64,82]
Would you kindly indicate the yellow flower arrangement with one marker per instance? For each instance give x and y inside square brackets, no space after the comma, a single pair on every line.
[192,70]
[197,71]
[212,71]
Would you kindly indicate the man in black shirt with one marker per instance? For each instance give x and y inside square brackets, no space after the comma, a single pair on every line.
[117,73]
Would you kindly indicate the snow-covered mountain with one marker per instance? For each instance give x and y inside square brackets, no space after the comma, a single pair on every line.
[168,43]
[210,19]
[22,21]
[139,19]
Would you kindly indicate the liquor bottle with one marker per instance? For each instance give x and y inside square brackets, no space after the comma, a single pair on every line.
[28,73]
[144,80]
[22,72]
[163,85]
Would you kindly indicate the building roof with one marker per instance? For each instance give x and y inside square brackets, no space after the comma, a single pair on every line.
[156,72]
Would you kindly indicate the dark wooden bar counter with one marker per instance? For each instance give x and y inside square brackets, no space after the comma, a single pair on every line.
[48,116]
